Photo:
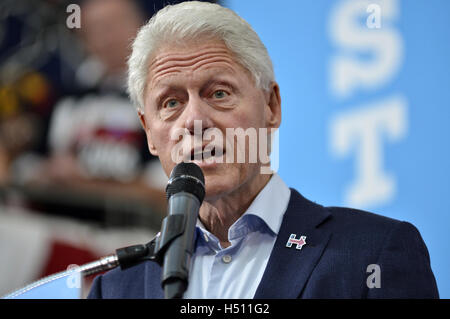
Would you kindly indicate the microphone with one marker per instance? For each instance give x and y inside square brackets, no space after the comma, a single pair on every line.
[185,192]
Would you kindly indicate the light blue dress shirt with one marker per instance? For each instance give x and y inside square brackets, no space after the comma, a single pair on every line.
[236,271]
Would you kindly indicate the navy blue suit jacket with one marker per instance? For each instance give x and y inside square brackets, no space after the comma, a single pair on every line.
[341,244]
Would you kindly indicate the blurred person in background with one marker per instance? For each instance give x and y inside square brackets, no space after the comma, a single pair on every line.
[95,139]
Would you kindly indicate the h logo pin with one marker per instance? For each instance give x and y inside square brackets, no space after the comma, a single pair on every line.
[298,242]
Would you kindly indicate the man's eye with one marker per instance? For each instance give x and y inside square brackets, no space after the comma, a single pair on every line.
[220,94]
[171,104]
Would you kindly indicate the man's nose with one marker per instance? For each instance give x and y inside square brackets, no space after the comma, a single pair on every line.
[197,116]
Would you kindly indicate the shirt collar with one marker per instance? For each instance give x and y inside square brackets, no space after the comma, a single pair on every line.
[269,206]
[271,203]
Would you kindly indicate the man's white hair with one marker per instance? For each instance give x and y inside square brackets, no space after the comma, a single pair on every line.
[189,21]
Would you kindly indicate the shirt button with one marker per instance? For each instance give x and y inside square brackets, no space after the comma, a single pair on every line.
[226,259]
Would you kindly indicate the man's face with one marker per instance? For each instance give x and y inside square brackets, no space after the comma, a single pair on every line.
[200,83]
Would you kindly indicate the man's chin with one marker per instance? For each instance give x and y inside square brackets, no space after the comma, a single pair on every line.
[218,185]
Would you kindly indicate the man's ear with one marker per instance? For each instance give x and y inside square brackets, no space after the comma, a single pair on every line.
[151,146]
[273,106]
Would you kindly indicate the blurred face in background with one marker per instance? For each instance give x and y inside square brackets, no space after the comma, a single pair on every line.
[108,27]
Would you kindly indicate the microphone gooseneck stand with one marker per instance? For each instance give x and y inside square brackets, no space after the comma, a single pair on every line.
[172,248]
[124,258]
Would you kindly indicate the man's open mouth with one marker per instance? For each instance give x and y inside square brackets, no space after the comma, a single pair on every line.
[206,153]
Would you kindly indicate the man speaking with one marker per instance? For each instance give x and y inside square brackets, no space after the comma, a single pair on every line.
[203,82]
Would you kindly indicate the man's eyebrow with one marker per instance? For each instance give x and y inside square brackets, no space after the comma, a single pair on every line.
[219,81]
[163,90]
[220,75]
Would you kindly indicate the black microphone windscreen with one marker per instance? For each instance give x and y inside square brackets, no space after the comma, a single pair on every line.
[186,177]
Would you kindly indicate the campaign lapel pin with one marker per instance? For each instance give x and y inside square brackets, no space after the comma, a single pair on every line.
[298,242]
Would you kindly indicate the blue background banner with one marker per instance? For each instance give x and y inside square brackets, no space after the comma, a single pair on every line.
[365,103]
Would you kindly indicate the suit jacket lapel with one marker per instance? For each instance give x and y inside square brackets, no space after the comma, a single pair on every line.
[288,269]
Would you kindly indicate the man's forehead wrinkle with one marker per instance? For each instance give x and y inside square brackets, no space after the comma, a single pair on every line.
[167,57]
[194,63]
[226,60]
[214,62]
